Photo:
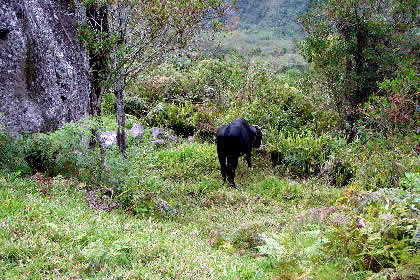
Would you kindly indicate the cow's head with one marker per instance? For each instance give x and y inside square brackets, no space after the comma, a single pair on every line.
[258,137]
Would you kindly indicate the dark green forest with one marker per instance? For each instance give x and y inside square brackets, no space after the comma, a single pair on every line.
[334,192]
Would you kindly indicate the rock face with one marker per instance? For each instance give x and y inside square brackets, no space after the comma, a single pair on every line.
[43,72]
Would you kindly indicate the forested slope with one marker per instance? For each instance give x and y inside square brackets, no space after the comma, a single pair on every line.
[263,30]
[280,15]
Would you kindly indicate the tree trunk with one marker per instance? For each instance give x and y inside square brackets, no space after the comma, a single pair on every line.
[98,20]
[97,17]
[119,84]
[120,116]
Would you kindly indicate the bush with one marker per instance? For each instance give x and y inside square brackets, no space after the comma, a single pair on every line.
[304,154]
[379,162]
[65,151]
[12,156]
[411,181]
[383,231]
[41,153]
[135,106]
[182,119]
[186,119]
[339,170]
[247,238]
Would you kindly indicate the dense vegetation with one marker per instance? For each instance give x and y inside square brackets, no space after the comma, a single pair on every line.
[334,194]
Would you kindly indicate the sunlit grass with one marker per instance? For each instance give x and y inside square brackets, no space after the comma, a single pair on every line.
[54,234]
[258,231]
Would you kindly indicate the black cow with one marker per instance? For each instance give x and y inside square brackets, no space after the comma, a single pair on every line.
[234,140]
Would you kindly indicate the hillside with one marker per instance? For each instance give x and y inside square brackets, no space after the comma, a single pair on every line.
[278,15]
[136,190]
[311,206]
[265,31]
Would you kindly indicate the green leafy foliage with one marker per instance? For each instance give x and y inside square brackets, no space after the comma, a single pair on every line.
[65,151]
[12,156]
[197,98]
[411,181]
[375,162]
[355,44]
[384,234]
[174,219]
[279,189]
[303,155]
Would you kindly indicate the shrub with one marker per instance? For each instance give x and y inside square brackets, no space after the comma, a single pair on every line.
[338,169]
[383,231]
[135,106]
[40,152]
[65,151]
[304,154]
[12,156]
[182,119]
[378,161]
[186,119]
[411,181]
[246,238]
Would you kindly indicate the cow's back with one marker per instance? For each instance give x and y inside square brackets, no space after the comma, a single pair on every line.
[234,138]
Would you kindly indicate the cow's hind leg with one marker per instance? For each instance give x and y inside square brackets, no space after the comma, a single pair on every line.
[222,161]
[232,163]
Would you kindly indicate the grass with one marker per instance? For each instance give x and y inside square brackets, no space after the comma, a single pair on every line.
[60,237]
[272,227]
[54,234]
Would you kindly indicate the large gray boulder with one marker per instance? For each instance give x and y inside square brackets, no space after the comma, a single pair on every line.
[158,133]
[43,72]
[109,138]
[137,131]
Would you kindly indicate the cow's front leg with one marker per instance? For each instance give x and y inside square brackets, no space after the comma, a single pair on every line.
[248,159]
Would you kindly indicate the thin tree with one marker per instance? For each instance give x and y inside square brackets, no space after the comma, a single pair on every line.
[137,34]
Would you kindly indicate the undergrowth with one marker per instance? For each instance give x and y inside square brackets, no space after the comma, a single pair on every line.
[176,219]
